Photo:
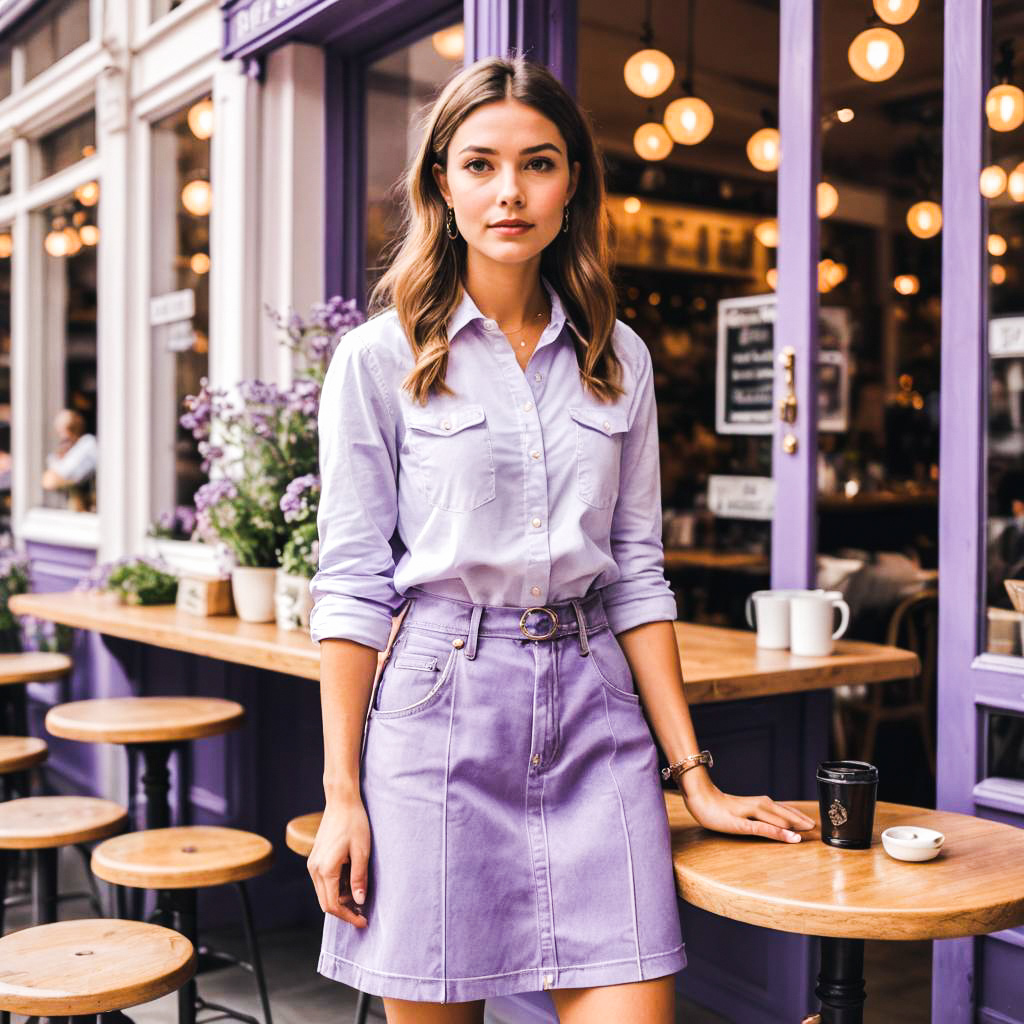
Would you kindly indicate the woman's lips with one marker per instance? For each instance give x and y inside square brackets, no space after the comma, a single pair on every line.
[511,229]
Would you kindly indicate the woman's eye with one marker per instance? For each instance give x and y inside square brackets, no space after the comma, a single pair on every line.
[545,163]
[470,164]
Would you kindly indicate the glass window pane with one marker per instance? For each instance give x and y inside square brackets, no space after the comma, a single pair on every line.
[71,239]
[5,376]
[5,71]
[182,198]
[1002,184]
[687,208]
[67,145]
[161,7]
[61,28]
[397,87]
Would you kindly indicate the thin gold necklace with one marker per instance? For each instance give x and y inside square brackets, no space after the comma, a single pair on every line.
[521,327]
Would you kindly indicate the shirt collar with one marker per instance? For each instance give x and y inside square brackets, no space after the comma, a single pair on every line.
[466,312]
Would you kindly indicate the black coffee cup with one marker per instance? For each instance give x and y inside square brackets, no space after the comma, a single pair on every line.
[847,791]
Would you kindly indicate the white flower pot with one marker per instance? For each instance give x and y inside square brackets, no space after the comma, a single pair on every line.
[292,600]
[253,591]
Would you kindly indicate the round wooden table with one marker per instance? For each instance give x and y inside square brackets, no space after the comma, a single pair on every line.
[974,886]
[153,728]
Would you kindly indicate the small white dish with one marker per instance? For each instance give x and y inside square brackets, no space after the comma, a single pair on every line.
[912,842]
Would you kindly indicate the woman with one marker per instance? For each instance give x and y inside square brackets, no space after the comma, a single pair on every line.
[494,818]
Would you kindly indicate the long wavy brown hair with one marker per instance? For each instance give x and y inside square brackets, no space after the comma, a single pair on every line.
[426,273]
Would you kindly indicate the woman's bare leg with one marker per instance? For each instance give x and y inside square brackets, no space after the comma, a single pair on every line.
[639,1002]
[408,1011]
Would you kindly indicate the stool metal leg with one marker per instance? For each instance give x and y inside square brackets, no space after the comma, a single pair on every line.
[254,951]
[183,904]
[841,981]
[4,855]
[362,1008]
[156,782]
[44,886]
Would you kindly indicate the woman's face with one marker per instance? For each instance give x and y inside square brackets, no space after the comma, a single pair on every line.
[507,162]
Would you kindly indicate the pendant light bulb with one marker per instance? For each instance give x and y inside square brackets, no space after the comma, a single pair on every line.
[200,119]
[907,284]
[649,73]
[6,246]
[993,181]
[1015,184]
[689,120]
[197,197]
[925,219]
[764,149]
[896,12]
[1004,108]
[450,42]
[876,54]
[652,141]
[828,199]
[767,233]
[996,245]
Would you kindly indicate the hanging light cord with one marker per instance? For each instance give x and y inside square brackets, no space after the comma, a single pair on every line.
[647,32]
[687,82]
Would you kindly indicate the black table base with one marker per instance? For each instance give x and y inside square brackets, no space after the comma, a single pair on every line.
[840,988]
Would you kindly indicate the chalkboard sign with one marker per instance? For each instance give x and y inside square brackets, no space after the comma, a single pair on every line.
[746,365]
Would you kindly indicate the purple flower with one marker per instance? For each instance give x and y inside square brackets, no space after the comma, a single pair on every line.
[300,497]
[213,493]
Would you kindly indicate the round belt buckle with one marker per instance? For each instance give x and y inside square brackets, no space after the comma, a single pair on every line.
[544,636]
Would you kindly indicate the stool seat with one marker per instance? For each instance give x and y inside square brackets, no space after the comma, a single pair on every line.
[19,753]
[45,822]
[33,667]
[186,857]
[144,719]
[91,966]
[301,832]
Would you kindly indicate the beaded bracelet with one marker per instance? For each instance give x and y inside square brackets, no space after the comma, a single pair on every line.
[680,768]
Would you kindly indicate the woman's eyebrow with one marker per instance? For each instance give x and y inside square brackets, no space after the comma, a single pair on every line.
[522,152]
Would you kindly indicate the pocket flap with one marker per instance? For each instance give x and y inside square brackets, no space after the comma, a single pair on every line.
[450,421]
[420,662]
[608,421]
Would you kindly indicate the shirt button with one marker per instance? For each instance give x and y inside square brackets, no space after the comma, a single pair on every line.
[549,979]
[527,406]
[535,521]
[538,376]
[535,455]
[491,325]
[446,425]
[535,591]
[607,426]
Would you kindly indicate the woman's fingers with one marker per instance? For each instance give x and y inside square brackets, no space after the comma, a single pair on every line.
[757,827]
[799,819]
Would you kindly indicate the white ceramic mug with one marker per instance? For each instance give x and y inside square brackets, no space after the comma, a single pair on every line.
[811,618]
[767,611]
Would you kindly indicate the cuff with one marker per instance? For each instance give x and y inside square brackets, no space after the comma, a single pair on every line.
[347,618]
[637,611]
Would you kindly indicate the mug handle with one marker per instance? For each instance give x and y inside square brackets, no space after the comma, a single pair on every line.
[844,610]
[749,611]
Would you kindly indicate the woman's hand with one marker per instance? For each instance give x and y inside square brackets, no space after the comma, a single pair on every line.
[742,815]
[339,858]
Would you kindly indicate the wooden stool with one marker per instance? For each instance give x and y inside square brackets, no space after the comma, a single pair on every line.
[299,835]
[151,728]
[75,970]
[178,861]
[18,755]
[43,824]
[15,671]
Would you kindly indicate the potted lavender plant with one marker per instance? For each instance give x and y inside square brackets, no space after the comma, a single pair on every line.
[292,599]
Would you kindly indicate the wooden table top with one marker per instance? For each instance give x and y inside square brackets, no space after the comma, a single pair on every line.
[718,664]
[974,886]
[144,719]
[706,558]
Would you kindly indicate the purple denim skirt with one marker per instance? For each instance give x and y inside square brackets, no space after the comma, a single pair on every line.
[519,839]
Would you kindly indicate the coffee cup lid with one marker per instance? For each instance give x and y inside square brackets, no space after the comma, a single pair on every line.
[847,771]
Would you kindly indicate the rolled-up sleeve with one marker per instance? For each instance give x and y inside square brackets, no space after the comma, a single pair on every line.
[641,594]
[353,589]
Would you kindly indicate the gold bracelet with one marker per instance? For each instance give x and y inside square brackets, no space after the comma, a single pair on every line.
[680,768]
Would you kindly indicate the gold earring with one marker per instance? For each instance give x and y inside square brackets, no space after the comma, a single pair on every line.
[449,223]
[565,218]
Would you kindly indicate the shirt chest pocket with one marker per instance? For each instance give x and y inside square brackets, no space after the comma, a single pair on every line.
[451,457]
[599,434]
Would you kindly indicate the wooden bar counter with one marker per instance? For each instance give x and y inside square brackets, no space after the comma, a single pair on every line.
[718,664]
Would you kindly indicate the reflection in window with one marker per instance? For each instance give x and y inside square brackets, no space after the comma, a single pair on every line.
[67,145]
[62,27]
[5,175]
[1002,184]
[5,71]
[161,7]
[68,325]
[397,87]
[5,376]
[181,274]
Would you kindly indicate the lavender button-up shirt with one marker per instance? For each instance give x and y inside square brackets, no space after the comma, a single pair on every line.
[520,489]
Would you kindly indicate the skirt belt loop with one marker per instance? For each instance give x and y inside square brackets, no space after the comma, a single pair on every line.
[474,630]
[584,646]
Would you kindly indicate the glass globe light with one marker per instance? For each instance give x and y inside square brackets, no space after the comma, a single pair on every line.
[1015,183]
[6,246]
[996,245]
[652,141]
[772,277]
[835,274]
[907,284]
[845,115]
[450,42]
[992,181]
[764,149]
[89,193]
[1004,108]
[631,204]
[200,118]
[876,54]
[197,197]
[998,273]
[828,199]
[767,233]
[925,219]
[689,120]
[74,243]
[649,73]
[89,234]
[896,12]
[56,243]
[200,263]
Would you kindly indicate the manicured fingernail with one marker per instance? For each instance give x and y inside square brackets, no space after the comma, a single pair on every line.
[359,895]
[793,837]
